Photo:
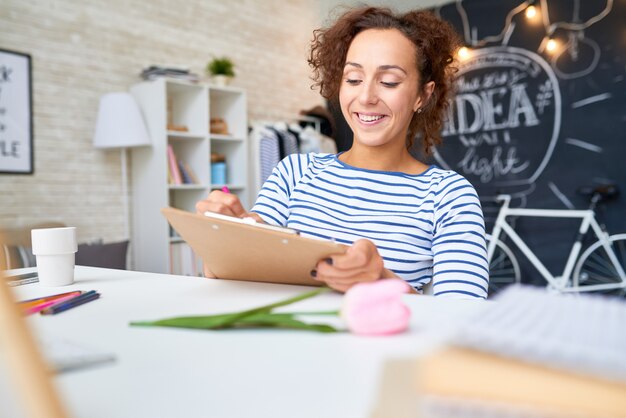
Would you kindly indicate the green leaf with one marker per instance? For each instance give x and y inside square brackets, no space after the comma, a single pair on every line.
[224,320]
[258,320]
[281,320]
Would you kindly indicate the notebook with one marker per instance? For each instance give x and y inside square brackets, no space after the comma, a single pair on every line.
[577,333]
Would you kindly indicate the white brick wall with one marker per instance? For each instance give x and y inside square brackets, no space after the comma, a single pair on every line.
[82,49]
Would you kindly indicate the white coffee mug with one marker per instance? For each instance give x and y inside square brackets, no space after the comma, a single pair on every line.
[55,251]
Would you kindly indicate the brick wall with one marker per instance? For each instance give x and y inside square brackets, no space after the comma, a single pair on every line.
[82,49]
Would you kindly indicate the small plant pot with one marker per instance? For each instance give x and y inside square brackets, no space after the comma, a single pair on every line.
[221,80]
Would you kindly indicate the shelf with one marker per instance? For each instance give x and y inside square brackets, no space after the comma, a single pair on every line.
[230,186]
[181,103]
[182,136]
[187,187]
[225,138]
[214,89]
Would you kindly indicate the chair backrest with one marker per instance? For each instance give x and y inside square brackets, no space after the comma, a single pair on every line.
[28,374]
[111,255]
[16,250]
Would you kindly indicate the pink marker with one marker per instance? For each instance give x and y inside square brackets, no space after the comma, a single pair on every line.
[225,189]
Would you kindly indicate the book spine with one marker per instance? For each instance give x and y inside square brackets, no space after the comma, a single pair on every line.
[171,157]
[191,174]
[184,174]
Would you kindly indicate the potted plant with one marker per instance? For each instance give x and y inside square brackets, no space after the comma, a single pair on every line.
[221,70]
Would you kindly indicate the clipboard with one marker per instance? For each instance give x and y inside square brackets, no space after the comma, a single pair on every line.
[238,250]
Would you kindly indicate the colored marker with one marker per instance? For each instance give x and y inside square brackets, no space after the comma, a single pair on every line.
[225,189]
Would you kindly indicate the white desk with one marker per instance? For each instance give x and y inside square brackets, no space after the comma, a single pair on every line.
[167,372]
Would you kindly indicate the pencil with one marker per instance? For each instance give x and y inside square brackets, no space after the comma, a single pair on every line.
[36,307]
[72,303]
[30,302]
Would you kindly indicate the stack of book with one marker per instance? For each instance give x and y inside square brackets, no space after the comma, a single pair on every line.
[179,172]
[156,71]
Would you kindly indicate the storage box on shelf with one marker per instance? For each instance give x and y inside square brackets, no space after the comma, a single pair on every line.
[176,170]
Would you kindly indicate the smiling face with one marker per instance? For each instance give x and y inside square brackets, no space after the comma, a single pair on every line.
[380,88]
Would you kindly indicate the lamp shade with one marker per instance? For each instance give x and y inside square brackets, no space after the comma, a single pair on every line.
[119,123]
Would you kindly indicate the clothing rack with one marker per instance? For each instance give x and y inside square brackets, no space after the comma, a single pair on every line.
[315,121]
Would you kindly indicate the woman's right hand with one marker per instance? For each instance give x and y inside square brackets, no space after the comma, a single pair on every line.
[220,202]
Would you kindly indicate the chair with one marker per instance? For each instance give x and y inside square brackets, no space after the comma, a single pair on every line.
[15,252]
[111,255]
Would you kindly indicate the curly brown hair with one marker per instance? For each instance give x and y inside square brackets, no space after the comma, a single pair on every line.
[435,43]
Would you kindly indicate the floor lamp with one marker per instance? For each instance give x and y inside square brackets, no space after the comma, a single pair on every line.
[120,126]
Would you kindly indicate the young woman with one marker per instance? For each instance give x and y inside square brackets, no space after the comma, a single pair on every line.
[392,76]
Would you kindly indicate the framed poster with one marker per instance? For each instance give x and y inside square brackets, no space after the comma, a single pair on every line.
[16,116]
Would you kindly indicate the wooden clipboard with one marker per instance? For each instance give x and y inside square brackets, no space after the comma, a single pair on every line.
[242,251]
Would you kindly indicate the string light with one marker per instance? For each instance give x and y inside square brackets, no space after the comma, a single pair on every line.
[530,11]
[463,53]
[551,45]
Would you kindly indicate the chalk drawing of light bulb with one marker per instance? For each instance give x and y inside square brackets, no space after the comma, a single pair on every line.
[578,57]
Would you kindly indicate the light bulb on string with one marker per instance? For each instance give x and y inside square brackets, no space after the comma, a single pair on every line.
[463,53]
[551,45]
[531,12]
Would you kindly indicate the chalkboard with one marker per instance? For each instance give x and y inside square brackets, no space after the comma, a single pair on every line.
[539,124]
[534,123]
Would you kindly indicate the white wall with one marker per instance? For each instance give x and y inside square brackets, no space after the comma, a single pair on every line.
[84,48]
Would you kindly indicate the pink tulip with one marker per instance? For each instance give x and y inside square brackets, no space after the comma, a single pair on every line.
[376,308]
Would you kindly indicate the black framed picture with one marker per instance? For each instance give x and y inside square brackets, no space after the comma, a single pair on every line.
[16,113]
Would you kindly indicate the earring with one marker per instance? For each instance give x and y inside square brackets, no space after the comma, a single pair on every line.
[419,110]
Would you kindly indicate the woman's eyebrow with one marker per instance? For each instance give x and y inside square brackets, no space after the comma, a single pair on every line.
[392,67]
[354,64]
[380,67]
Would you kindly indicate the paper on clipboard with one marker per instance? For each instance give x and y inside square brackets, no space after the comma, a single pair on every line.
[238,250]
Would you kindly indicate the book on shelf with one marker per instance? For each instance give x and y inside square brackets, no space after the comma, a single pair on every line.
[187,174]
[190,173]
[183,260]
[173,165]
[170,179]
[157,71]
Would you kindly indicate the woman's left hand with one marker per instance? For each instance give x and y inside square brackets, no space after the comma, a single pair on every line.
[360,263]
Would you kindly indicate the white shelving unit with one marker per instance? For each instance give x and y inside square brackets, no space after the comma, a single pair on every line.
[181,103]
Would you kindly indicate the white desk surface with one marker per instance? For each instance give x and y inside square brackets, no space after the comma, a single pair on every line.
[167,372]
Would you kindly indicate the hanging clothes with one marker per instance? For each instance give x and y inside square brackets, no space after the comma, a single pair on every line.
[271,142]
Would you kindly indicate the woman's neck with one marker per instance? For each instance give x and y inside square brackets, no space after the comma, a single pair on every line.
[374,158]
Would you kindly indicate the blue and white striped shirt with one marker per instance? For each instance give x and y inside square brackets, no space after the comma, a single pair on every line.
[427,226]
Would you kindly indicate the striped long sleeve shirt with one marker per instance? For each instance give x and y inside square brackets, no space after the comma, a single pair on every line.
[427,227]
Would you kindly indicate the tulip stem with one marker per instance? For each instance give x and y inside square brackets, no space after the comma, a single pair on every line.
[330,313]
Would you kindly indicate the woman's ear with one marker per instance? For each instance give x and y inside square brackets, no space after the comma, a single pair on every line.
[423,99]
